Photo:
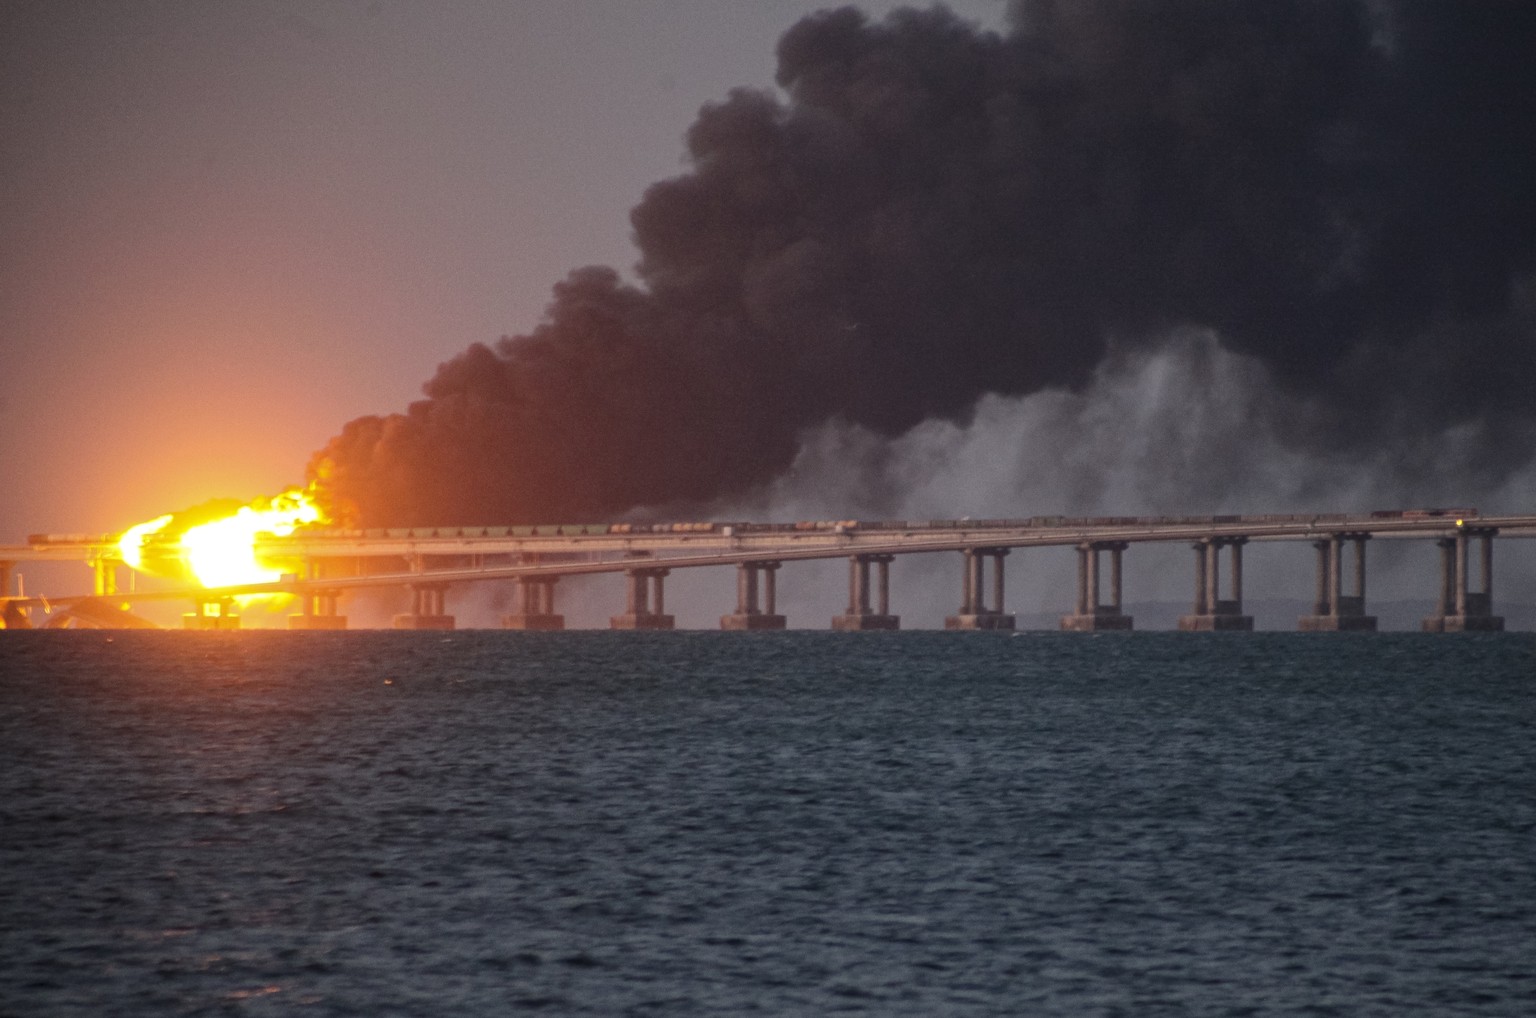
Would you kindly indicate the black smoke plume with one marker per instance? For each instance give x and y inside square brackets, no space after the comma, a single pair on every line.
[1344,191]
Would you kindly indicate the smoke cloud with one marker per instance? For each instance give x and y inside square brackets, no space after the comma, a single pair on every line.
[932,214]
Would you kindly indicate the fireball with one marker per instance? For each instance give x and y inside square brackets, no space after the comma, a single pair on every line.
[131,544]
[221,552]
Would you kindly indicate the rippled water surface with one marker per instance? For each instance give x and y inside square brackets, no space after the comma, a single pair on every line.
[802,823]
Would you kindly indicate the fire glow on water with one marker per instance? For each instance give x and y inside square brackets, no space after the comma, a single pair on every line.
[222,552]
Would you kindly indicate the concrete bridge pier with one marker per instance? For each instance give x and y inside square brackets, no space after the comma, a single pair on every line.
[860,615]
[1092,615]
[1461,610]
[428,609]
[216,614]
[12,616]
[105,575]
[1212,613]
[750,612]
[317,609]
[645,604]
[1334,611]
[535,605]
[974,613]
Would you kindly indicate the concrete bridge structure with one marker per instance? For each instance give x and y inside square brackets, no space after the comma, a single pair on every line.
[432,562]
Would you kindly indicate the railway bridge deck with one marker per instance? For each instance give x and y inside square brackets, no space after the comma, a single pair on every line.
[327,563]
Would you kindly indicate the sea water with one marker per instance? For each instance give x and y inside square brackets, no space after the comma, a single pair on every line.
[491,823]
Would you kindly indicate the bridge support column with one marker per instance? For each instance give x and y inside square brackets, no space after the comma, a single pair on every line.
[645,604]
[535,605]
[1333,611]
[974,612]
[860,614]
[1212,612]
[752,614]
[1461,610]
[1092,614]
[428,609]
[317,608]
[12,616]
[105,570]
[318,612]
[211,615]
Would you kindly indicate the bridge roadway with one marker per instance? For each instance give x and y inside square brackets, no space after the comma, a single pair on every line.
[436,557]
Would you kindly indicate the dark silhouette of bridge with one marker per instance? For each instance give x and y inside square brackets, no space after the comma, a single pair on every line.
[430,562]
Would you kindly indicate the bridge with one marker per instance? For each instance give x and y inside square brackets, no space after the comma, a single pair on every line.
[431,561]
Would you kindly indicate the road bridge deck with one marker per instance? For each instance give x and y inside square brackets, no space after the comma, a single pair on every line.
[335,559]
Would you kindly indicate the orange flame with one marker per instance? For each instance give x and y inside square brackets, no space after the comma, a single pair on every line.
[220,552]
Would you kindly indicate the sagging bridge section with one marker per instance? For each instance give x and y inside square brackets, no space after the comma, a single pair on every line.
[432,561]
